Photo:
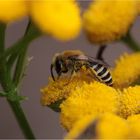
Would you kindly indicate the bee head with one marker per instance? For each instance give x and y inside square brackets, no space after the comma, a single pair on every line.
[59,65]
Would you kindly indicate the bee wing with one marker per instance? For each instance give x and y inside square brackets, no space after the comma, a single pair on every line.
[92,59]
[87,58]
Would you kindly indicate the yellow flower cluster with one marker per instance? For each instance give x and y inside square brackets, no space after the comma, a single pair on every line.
[130,101]
[80,127]
[62,88]
[102,21]
[94,98]
[138,4]
[106,21]
[134,122]
[127,70]
[106,126]
[60,19]
[11,10]
[86,100]
[111,126]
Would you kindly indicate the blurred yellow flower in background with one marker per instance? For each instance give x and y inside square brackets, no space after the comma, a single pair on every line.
[106,126]
[127,70]
[80,126]
[134,122]
[138,6]
[103,126]
[59,18]
[112,126]
[93,98]
[106,21]
[11,10]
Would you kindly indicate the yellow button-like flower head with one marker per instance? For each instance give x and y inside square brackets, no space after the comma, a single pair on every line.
[108,20]
[111,126]
[130,101]
[138,6]
[80,126]
[11,10]
[62,88]
[93,98]
[59,18]
[106,126]
[127,70]
[134,122]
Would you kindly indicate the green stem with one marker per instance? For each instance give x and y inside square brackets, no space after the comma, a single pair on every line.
[128,40]
[2,37]
[18,112]
[9,86]
[22,47]
[21,118]
[19,70]
[11,61]
[31,34]
[15,47]
[4,75]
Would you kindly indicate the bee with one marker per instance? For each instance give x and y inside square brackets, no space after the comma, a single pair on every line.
[73,61]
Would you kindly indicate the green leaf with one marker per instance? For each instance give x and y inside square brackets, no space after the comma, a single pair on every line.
[56,106]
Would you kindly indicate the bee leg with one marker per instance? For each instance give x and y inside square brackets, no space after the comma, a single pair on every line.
[100,52]
[71,75]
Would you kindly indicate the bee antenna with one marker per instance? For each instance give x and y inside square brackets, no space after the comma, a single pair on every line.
[51,69]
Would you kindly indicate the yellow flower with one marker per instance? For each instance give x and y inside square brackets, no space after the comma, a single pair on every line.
[130,101]
[106,126]
[80,126]
[88,103]
[112,126]
[108,20]
[60,18]
[61,89]
[127,70]
[138,6]
[11,10]
[134,122]
[93,98]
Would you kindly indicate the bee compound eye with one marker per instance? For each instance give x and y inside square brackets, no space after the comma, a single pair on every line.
[58,66]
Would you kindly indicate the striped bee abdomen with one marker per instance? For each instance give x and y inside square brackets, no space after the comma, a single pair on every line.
[102,73]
